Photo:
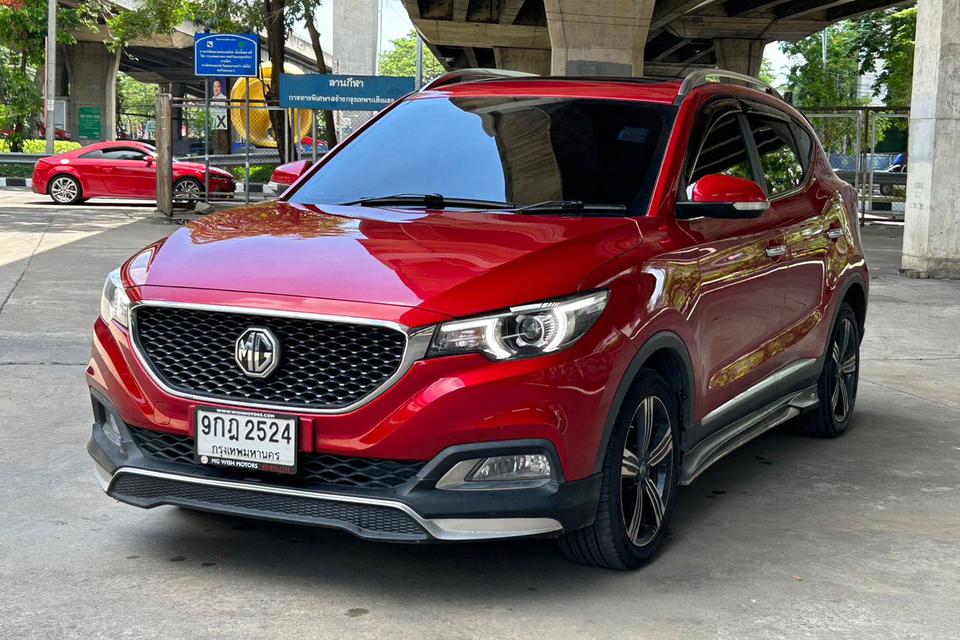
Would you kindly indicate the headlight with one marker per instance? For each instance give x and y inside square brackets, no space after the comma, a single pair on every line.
[114,303]
[522,332]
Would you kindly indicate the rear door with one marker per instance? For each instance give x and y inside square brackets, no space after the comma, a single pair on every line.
[799,206]
[739,313]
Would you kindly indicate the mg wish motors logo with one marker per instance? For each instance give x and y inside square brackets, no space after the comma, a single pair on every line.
[258,352]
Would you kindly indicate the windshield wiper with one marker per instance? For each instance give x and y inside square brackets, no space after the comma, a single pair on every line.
[571,207]
[427,201]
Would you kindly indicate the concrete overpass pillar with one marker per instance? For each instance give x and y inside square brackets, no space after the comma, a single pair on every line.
[93,85]
[601,37]
[529,60]
[740,54]
[931,239]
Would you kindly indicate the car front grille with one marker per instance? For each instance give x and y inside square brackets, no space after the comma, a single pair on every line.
[323,365]
[374,521]
[313,469]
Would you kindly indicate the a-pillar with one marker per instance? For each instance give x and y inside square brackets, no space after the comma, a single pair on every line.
[93,85]
[931,238]
[741,55]
[598,38]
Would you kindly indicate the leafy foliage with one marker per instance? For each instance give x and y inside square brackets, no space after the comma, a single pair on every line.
[258,172]
[881,43]
[886,42]
[402,59]
[35,145]
[15,170]
[832,85]
[23,32]
[23,27]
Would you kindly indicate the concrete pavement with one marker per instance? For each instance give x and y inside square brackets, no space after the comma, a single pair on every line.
[789,537]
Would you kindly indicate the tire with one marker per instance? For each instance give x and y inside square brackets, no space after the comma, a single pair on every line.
[886,189]
[621,537]
[837,386]
[65,189]
[189,190]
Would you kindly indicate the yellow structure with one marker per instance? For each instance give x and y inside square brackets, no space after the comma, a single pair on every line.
[261,129]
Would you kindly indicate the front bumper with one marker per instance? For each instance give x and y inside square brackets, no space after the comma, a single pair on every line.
[415,511]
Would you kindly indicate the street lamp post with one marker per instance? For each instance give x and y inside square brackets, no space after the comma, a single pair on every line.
[50,71]
[419,79]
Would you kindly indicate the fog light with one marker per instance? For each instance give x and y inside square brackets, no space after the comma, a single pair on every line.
[520,467]
[111,431]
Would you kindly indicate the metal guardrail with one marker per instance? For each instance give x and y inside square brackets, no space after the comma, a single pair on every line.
[236,160]
[230,160]
[21,158]
[879,177]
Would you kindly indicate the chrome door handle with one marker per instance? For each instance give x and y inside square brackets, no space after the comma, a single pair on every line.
[834,233]
[776,251]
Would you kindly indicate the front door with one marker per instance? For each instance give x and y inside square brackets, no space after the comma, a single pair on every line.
[128,174]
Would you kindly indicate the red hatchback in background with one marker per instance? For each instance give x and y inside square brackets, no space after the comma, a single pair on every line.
[507,306]
[122,169]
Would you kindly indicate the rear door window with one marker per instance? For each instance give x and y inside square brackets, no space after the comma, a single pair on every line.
[779,158]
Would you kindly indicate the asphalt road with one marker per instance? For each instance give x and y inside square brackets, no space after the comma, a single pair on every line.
[789,537]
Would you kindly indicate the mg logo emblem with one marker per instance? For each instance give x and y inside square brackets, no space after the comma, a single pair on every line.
[258,352]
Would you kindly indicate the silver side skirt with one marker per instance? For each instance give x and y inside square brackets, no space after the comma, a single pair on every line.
[722,442]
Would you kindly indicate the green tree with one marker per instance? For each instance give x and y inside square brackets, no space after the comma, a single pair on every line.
[136,103]
[767,73]
[886,40]
[402,59]
[23,30]
[834,84]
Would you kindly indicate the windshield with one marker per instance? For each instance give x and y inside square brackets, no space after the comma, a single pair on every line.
[520,151]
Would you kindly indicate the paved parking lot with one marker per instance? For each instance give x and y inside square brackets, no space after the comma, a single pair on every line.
[789,537]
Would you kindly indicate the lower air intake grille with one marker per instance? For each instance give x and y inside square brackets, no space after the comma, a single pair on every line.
[320,469]
[373,521]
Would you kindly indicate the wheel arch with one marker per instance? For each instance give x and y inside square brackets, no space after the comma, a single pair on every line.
[855,294]
[666,353]
[66,170]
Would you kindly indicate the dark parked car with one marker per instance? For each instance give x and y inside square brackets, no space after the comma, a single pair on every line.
[510,306]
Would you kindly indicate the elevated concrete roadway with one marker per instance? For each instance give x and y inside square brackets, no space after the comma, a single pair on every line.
[620,37]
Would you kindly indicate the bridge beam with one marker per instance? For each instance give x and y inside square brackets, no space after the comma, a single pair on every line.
[931,239]
[740,54]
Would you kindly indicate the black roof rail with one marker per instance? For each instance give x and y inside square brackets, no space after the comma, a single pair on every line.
[472,75]
[701,77]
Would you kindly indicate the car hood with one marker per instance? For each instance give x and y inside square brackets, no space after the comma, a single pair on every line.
[451,262]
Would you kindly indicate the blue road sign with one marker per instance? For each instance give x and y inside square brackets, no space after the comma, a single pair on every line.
[232,55]
[344,93]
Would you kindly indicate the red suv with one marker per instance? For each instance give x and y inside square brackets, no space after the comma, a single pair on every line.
[507,306]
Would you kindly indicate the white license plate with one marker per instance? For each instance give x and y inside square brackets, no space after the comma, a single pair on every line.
[250,440]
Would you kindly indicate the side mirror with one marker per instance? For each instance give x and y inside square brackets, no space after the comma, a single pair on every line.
[719,196]
[148,161]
